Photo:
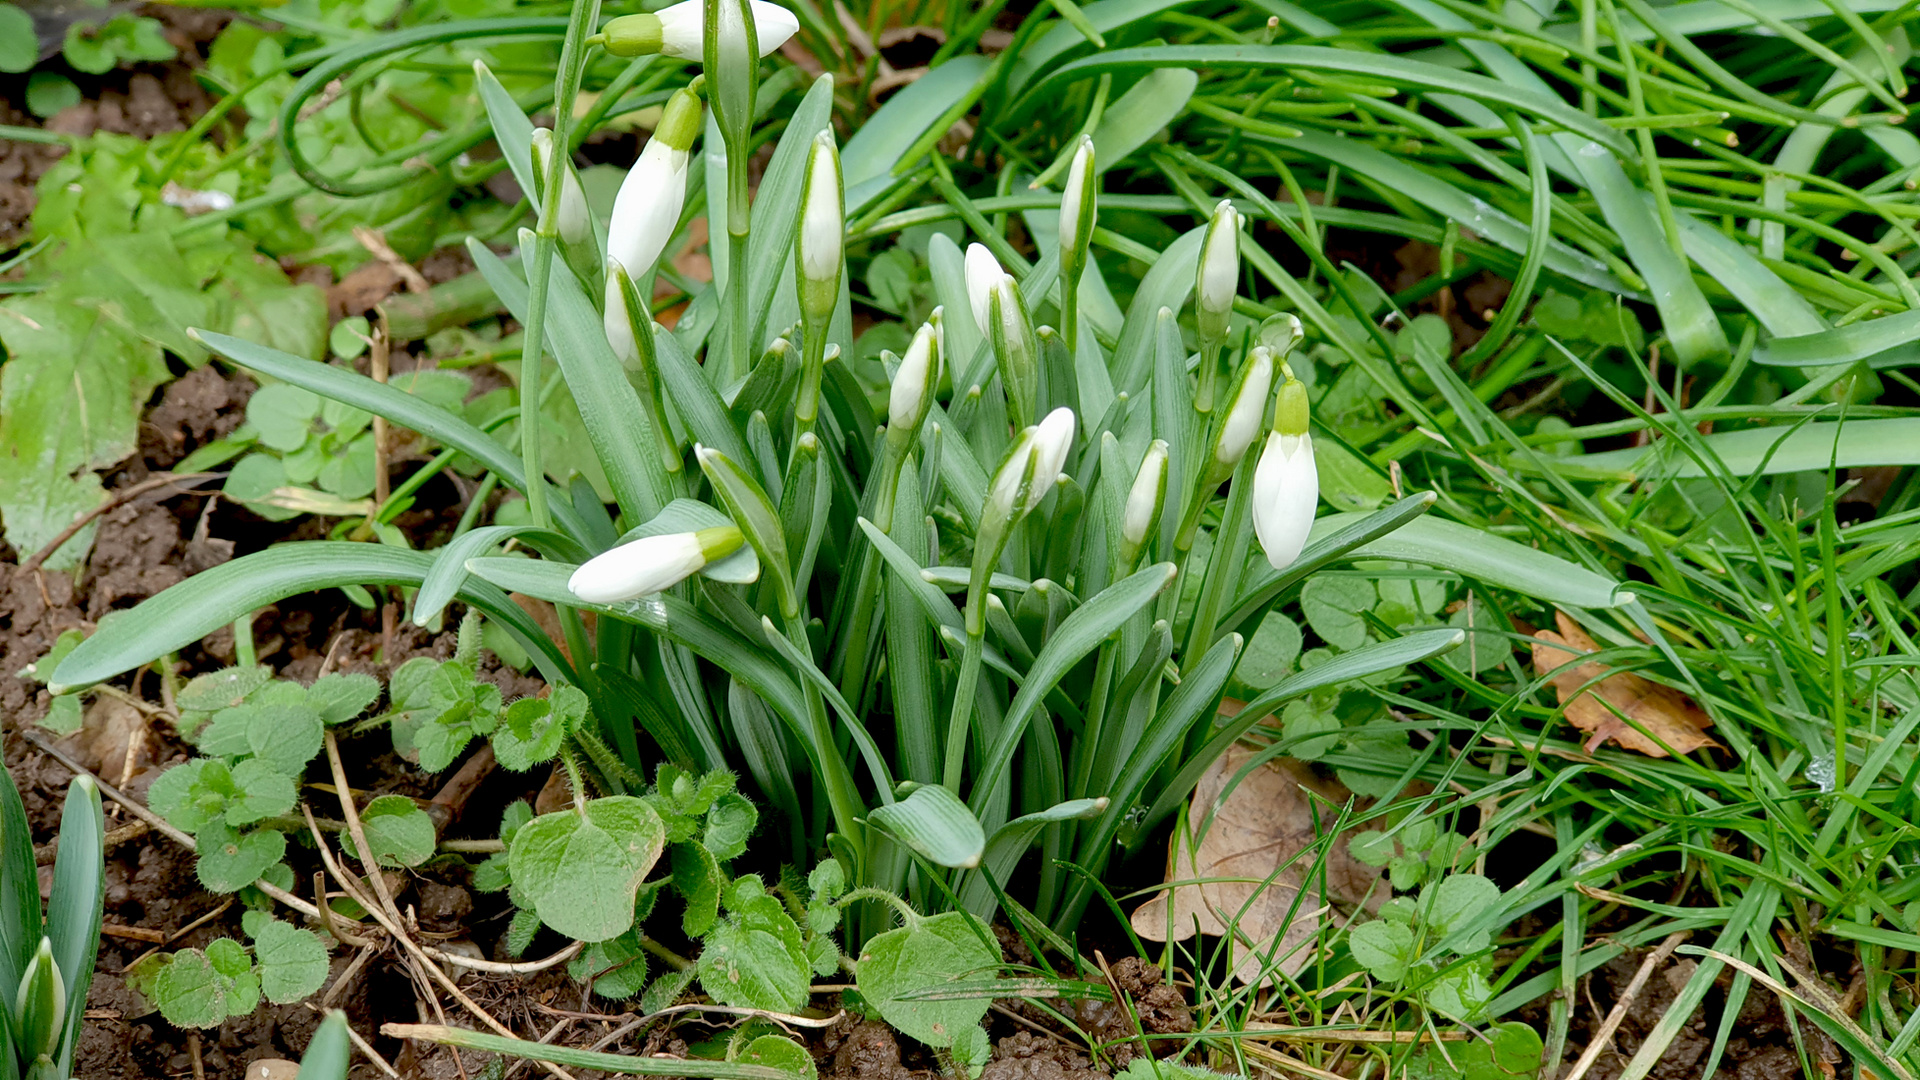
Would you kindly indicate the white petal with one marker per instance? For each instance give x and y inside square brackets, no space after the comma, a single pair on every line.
[680,35]
[680,26]
[648,565]
[1220,263]
[648,206]
[983,272]
[821,225]
[1051,441]
[1144,499]
[1248,409]
[1286,492]
[910,388]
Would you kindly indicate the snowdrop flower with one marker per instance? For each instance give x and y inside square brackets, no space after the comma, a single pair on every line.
[648,206]
[911,395]
[822,230]
[574,220]
[1031,467]
[1286,487]
[1145,500]
[983,273]
[651,564]
[1077,205]
[1249,408]
[1219,274]
[676,31]
[619,319]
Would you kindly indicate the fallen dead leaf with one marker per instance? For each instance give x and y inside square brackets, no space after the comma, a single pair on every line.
[1266,820]
[1666,714]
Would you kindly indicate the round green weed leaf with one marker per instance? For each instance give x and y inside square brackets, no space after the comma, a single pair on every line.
[936,951]
[1333,606]
[398,831]
[581,869]
[293,962]
[283,415]
[230,861]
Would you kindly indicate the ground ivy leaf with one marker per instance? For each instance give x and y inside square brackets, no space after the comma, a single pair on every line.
[398,831]
[617,966]
[1383,948]
[729,822]
[1457,900]
[293,962]
[286,737]
[340,698]
[226,736]
[1510,1051]
[530,732]
[935,951]
[697,876]
[229,861]
[264,792]
[581,868]
[1333,605]
[779,1052]
[188,992]
[755,958]
[172,796]
[221,689]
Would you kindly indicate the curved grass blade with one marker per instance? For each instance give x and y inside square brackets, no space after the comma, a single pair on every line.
[214,598]
[1358,664]
[867,161]
[1398,70]
[1855,444]
[330,1052]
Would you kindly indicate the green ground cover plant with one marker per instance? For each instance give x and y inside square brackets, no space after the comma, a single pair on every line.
[1493,420]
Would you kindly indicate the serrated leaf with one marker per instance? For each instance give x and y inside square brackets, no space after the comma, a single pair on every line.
[666,990]
[188,992]
[264,792]
[932,952]
[617,967]
[532,729]
[755,957]
[729,822]
[398,831]
[581,868]
[520,931]
[697,875]
[340,698]
[171,796]
[293,962]
[229,861]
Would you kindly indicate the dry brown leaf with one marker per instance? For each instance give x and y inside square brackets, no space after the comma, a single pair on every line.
[1669,715]
[1268,819]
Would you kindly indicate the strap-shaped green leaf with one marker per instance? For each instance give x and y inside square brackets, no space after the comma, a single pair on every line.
[1011,841]
[330,1051]
[449,569]
[936,824]
[19,892]
[210,600]
[354,389]
[512,131]
[74,906]
[666,615]
[1077,636]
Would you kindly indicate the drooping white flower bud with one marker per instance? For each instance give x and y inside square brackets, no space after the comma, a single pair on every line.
[1146,498]
[573,221]
[1248,409]
[1286,485]
[1031,467]
[983,273]
[822,231]
[911,396]
[1015,347]
[1077,205]
[651,197]
[675,31]
[731,66]
[1219,273]
[651,564]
